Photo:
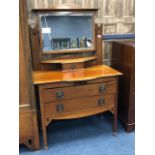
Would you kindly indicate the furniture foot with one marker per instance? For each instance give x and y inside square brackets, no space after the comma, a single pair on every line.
[46,147]
[114,134]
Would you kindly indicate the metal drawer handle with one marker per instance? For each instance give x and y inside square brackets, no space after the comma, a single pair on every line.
[60,107]
[60,94]
[102,88]
[101,101]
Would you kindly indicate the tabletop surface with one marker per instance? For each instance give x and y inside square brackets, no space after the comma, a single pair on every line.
[43,77]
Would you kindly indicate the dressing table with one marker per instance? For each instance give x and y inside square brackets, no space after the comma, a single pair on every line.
[68,74]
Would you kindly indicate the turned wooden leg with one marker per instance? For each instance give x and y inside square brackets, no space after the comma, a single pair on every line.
[44,136]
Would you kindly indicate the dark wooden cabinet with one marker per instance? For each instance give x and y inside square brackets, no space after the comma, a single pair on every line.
[123,59]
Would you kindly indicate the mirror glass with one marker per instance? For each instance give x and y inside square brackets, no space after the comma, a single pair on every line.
[68,31]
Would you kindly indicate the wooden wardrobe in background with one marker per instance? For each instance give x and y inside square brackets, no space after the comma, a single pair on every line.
[123,59]
[28,125]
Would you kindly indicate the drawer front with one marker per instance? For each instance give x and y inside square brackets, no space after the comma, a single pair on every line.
[77,105]
[58,94]
[72,66]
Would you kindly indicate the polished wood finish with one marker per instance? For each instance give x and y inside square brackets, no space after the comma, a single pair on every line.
[39,64]
[80,104]
[73,60]
[84,113]
[41,59]
[28,126]
[25,68]
[35,47]
[123,59]
[72,66]
[93,89]
[23,89]
[61,96]
[73,86]
[41,77]
[76,83]
[99,49]
[71,9]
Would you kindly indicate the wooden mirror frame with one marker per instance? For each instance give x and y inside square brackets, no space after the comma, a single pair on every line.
[70,13]
[39,56]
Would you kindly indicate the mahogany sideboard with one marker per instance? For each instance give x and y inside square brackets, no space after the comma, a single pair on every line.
[123,59]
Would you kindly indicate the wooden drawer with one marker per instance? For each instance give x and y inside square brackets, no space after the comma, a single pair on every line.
[72,66]
[80,104]
[59,94]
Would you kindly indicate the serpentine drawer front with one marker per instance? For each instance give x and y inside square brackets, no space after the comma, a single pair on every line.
[81,93]
[65,93]
[79,104]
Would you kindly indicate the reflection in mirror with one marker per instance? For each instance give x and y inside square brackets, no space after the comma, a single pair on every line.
[69,32]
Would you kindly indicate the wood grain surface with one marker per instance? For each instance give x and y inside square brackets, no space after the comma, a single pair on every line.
[28,123]
[73,60]
[117,16]
[78,104]
[42,77]
[71,92]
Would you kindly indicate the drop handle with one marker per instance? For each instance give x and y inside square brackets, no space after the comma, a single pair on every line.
[60,94]
[101,102]
[102,88]
[60,107]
